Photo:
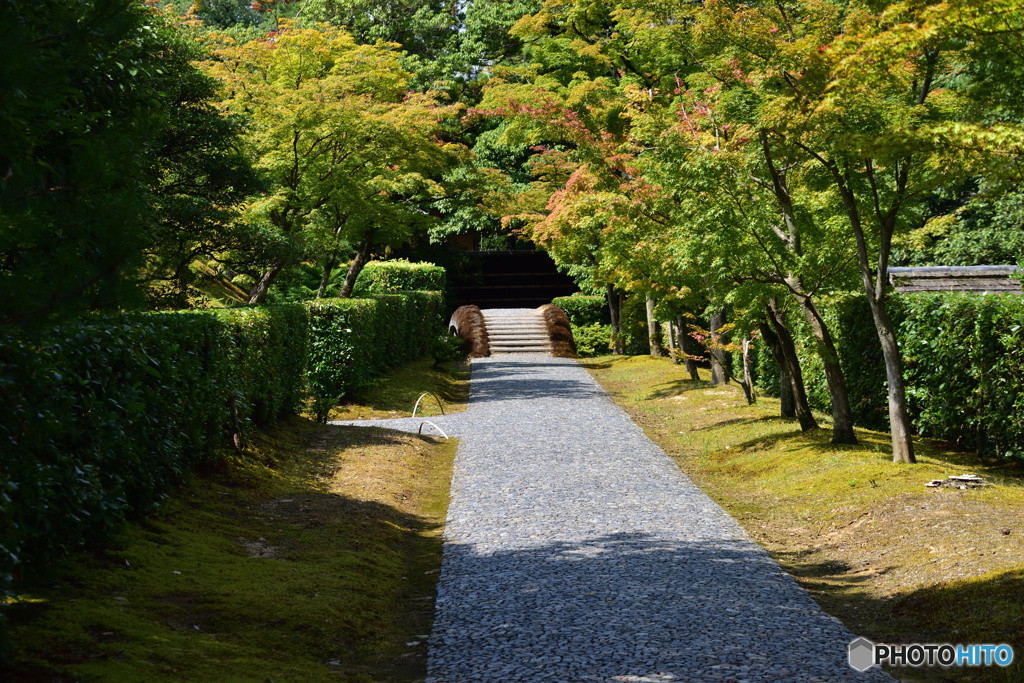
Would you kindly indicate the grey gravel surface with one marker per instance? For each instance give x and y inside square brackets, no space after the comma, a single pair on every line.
[575,550]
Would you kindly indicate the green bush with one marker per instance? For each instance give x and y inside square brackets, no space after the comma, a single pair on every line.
[389,277]
[447,349]
[964,357]
[353,339]
[592,340]
[98,418]
[767,372]
[583,309]
[964,366]
[101,416]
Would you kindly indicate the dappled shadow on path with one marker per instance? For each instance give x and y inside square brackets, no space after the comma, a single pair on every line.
[630,604]
[511,380]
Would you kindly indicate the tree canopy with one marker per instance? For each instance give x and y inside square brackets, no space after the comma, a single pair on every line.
[756,157]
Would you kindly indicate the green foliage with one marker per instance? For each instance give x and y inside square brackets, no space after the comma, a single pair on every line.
[352,155]
[963,356]
[767,373]
[592,340]
[965,369]
[101,416]
[111,153]
[448,348]
[301,282]
[388,277]
[353,339]
[583,309]
[633,326]
[987,229]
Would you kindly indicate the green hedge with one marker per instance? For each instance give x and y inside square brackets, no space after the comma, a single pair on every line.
[353,339]
[389,277]
[583,309]
[101,416]
[964,366]
[592,340]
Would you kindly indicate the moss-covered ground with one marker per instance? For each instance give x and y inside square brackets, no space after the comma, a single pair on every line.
[895,561]
[395,394]
[311,557]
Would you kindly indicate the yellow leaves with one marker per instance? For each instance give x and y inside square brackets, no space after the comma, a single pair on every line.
[595,94]
[922,237]
[532,24]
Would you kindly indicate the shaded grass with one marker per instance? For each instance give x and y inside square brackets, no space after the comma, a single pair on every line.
[896,562]
[314,557]
[395,393]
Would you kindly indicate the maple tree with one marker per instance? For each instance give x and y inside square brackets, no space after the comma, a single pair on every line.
[351,156]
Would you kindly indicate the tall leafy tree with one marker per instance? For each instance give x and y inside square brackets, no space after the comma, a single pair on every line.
[352,157]
[97,99]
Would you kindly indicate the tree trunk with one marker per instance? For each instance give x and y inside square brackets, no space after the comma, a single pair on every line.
[685,348]
[362,255]
[258,294]
[652,330]
[719,375]
[796,374]
[842,416]
[899,415]
[614,309]
[747,383]
[673,352]
[328,269]
[771,340]
[787,349]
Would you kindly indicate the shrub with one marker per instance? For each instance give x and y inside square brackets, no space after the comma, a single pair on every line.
[447,348]
[353,339]
[389,277]
[963,356]
[101,416]
[592,340]
[583,309]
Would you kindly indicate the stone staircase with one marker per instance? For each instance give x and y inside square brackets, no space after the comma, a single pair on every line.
[516,330]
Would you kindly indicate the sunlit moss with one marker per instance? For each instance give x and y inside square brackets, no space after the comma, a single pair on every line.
[262,570]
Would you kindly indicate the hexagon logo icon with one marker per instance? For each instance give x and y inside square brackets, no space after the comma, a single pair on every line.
[862,654]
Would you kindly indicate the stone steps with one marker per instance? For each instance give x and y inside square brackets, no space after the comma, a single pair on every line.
[516,330]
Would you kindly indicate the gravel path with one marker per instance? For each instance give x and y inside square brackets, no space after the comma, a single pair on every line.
[575,550]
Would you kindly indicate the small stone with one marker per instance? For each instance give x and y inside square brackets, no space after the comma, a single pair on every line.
[1005,531]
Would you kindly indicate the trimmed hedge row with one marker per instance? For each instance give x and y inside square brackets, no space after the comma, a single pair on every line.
[353,339]
[399,275]
[99,417]
[964,366]
[584,309]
